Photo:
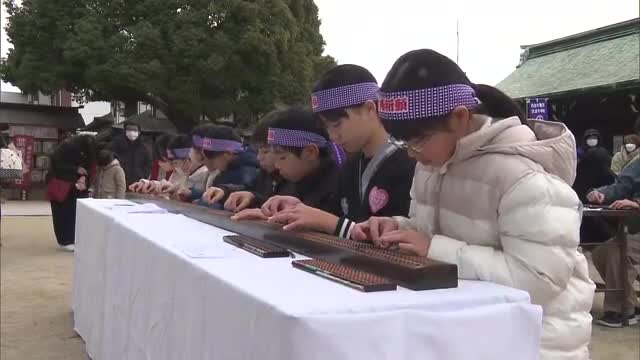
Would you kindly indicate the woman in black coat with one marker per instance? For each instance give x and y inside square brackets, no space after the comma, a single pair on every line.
[68,180]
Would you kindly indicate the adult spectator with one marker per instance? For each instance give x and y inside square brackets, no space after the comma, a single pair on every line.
[133,154]
[625,193]
[72,166]
[593,171]
[628,153]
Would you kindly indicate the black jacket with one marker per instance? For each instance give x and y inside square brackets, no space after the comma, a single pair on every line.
[391,182]
[319,189]
[593,171]
[134,158]
[265,186]
[64,162]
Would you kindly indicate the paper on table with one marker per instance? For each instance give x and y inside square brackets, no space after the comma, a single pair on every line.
[140,209]
[203,249]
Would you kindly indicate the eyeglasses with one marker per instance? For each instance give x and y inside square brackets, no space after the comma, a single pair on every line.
[404,145]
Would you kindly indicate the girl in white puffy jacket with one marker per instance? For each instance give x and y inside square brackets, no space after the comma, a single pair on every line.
[491,193]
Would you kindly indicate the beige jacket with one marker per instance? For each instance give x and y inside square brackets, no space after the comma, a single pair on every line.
[622,158]
[503,210]
[110,182]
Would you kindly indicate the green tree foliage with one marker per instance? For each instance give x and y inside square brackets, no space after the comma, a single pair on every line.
[195,57]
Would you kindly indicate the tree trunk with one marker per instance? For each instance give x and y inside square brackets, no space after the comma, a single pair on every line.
[130,108]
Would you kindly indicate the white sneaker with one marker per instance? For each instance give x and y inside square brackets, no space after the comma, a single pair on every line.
[68,248]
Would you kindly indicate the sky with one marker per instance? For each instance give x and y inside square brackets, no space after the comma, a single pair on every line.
[374,33]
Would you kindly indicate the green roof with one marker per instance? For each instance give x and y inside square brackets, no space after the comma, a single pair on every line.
[603,57]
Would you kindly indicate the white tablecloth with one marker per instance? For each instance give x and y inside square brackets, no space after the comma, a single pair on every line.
[137,296]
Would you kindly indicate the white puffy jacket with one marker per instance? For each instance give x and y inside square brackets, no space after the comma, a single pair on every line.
[503,210]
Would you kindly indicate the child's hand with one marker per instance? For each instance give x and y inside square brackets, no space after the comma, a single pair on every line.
[625,204]
[82,171]
[184,194]
[136,186]
[239,201]
[81,184]
[249,214]
[596,197]
[168,188]
[148,187]
[213,195]
[410,241]
[373,229]
[303,217]
[278,203]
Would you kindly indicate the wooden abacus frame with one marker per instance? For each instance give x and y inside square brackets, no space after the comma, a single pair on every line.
[413,272]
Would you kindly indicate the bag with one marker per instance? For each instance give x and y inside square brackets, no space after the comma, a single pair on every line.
[10,165]
[58,190]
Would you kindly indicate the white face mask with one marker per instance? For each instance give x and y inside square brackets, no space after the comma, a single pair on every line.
[630,147]
[132,135]
[592,142]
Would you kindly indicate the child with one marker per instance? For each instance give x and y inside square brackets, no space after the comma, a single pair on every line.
[268,181]
[110,182]
[490,193]
[303,158]
[376,180]
[160,155]
[193,175]
[220,149]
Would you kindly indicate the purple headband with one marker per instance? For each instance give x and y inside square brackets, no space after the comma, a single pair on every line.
[295,138]
[218,145]
[299,138]
[179,154]
[425,103]
[344,96]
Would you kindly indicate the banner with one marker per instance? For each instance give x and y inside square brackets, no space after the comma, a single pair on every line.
[25,145]
[537,108]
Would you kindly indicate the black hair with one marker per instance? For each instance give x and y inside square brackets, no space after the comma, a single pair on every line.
[87,145]
[298,118]
[342,75]
[180,142]
[160,147]
[422,69]
[589,133]
[105,157]
[261,131]
[130,123]
[215,132]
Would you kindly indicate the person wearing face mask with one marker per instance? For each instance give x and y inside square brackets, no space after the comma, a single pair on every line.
[628,153]
[134,156]
[594,165]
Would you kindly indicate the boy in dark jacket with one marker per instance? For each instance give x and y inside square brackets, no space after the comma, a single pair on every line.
[377,178]
[219,148]
[133,154]
[304,159]
[268,182]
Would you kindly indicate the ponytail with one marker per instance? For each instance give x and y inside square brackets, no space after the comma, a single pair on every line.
[497,104]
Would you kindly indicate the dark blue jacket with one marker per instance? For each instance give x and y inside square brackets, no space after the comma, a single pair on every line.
[241,174]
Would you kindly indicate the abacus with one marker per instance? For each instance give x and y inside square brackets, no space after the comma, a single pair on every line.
[345,275]
[256,247]
[413,272]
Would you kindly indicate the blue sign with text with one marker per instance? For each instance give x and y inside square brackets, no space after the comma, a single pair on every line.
[537,108]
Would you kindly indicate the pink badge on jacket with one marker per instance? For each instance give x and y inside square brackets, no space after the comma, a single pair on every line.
[378,199]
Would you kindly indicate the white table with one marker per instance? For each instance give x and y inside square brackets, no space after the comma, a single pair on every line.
[136,296]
